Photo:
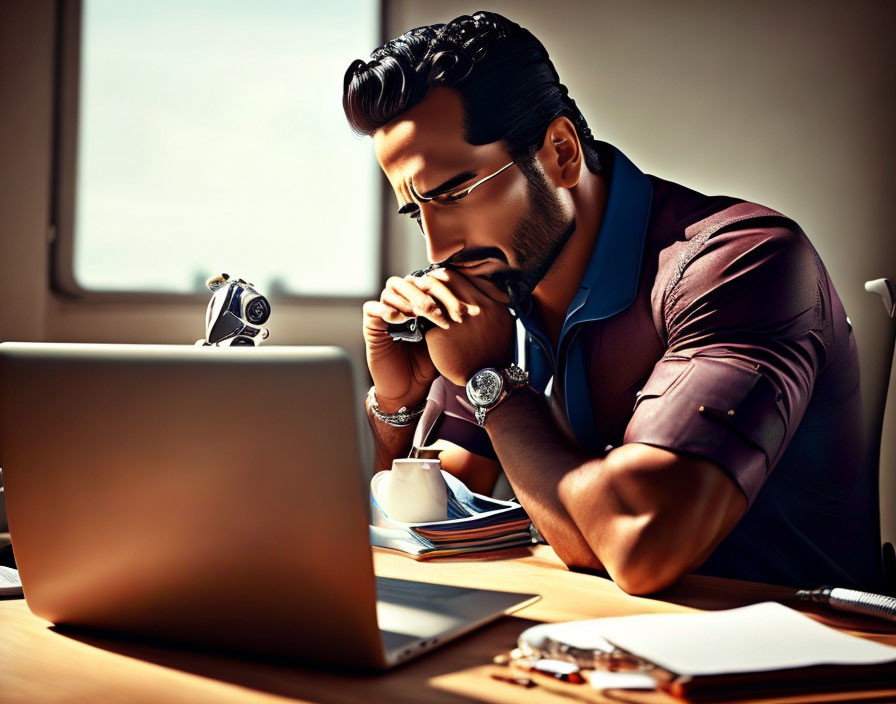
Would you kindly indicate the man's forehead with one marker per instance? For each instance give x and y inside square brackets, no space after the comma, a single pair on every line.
[430,132]
[427,144]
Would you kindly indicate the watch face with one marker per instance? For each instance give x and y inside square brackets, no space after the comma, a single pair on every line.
[485,387]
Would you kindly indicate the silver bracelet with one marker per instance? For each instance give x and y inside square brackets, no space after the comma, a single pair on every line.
[400,419]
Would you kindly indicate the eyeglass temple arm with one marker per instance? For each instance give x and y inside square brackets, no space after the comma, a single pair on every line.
[465,191]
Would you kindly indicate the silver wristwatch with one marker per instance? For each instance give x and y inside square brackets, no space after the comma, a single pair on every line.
[489,387]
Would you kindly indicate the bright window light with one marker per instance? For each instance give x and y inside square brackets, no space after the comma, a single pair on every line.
[211,139]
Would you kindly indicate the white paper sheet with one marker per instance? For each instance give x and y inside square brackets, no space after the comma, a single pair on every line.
[757,638]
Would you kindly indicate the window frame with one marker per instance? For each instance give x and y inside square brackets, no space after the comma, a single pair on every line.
[63,174]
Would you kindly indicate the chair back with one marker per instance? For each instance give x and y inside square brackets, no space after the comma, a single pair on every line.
[877,381]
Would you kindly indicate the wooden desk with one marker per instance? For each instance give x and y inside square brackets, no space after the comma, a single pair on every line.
[40,664]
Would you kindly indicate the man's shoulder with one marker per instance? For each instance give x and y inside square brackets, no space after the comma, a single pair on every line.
[680,213]
[684,223]
[724,252]
[675,208]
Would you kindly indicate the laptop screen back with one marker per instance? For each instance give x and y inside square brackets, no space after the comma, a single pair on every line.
[200,495]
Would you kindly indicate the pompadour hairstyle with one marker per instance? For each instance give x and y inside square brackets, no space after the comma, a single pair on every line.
[508,85]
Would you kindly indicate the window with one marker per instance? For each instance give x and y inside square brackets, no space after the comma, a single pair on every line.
[211,139]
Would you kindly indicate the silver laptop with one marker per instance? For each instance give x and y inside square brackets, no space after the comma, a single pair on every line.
[208,496]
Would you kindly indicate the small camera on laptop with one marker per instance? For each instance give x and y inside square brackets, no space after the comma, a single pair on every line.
[235,314]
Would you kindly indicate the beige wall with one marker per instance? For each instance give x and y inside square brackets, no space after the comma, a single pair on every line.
[786,103]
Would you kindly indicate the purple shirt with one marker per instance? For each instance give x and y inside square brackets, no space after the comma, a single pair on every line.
[709,326]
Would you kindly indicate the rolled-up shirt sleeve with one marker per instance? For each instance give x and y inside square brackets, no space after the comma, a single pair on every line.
[744,315]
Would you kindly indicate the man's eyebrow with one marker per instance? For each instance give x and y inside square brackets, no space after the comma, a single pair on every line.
[450,184]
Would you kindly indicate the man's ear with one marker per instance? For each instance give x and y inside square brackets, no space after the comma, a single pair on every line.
[561,154]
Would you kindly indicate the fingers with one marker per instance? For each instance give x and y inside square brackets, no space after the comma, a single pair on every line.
[411,301]
[377,315]
[405,300]
[470,288]
[437,290]
[441,296]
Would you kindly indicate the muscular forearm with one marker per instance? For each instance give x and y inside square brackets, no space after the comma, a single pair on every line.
[645,515]
[536,458]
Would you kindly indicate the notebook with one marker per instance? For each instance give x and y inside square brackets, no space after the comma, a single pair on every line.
[208,496]
[758,650]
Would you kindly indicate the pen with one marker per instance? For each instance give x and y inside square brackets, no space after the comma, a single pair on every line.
[864,603]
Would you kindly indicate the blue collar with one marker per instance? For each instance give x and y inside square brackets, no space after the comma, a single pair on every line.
[611,278]
[608,287]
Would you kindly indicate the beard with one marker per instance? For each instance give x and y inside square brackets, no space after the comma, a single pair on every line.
[537,241]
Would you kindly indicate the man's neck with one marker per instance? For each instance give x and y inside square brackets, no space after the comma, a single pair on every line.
[552,296]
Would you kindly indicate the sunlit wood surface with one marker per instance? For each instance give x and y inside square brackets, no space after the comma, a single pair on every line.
[40,664]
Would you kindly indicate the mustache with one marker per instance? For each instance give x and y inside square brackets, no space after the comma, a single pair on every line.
[475,254]
[465,256]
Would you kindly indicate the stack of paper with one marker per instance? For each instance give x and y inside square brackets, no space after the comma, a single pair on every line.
[475,523]
[754,651]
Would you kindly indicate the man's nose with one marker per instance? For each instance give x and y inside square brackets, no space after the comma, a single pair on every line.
[443,239]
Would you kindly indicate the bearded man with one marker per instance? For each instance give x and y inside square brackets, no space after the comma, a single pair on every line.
[684,391]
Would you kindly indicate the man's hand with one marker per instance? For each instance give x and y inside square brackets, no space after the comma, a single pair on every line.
[403,372]
[484,338]
[474,329]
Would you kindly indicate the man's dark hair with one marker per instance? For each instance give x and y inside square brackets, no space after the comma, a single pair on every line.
[508,85]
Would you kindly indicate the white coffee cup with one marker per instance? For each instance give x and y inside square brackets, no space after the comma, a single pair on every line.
[413,492]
